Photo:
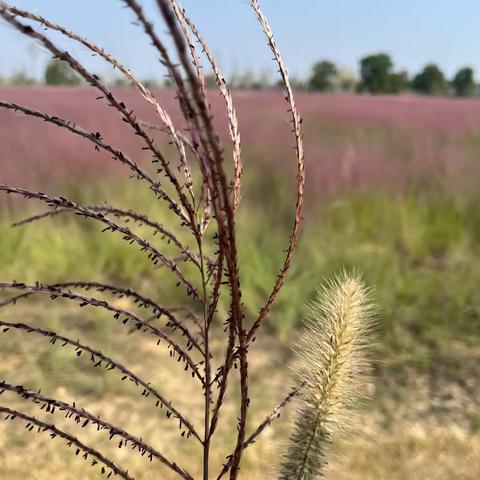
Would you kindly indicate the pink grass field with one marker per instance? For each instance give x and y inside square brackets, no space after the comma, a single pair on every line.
[352,142]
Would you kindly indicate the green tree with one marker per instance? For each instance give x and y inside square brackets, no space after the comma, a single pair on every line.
[375,73]
[59,73]
[323,76]
[463,83]
[430,81]
[399,82]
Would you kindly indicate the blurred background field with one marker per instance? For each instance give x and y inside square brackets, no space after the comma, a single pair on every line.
[392,191]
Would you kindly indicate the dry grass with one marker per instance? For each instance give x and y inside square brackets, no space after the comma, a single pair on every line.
[397,425]
[31,455]
[412,452]
[405,449]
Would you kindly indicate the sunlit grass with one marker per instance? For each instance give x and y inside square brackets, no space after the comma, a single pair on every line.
[418,250]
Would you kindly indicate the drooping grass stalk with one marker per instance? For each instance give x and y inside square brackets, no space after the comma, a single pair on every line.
[186,23]
[296,123]
[333,368]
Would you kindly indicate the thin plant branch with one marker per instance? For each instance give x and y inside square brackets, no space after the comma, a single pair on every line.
[154,255]
[224,91]
[33,423]
[146,93]
[99,359]
[120,213]
[277,411]
[299,149]
[84,417]
[128,317]
[127,115]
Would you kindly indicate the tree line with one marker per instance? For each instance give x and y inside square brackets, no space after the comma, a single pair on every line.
[376,76]
[58,73]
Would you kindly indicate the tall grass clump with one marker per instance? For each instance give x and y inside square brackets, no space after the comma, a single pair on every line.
[196,244]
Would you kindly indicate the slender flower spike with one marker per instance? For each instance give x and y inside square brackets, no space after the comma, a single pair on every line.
[334,368]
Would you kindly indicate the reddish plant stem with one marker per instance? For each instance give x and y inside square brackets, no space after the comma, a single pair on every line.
[226,231]
[224,91]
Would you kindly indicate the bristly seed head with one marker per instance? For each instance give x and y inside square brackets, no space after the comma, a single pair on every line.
[334,368]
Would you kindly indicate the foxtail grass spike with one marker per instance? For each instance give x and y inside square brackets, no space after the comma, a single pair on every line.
[333,367]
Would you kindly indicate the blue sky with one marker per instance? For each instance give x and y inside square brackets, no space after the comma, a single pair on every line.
[414,32]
